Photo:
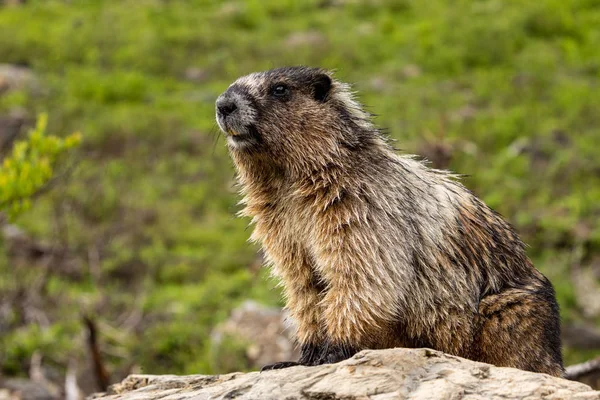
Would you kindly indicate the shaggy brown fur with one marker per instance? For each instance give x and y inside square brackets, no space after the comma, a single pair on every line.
[375,249]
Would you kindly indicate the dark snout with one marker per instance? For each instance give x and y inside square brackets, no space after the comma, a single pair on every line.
[225,105]
[236,116]
[228,112]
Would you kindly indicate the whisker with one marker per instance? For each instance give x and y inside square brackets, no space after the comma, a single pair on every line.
[215,135]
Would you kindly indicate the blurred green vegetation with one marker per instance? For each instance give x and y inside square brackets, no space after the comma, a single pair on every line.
[505,91]
[30,166]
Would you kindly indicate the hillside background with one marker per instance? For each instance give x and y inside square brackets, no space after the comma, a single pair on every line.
[139,233]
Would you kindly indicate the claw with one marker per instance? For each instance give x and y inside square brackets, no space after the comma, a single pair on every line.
[279,365]
[336,353]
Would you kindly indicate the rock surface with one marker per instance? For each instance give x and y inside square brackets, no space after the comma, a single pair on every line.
[15,77]
[381,375]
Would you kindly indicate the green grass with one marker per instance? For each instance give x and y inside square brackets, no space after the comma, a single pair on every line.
[509,89]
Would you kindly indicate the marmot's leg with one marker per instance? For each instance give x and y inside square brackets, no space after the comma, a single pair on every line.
[310,355]
[361,297]
[302,290]
[452,333]
[521,328]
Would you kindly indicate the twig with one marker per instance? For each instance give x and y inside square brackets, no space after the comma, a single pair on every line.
[99,369]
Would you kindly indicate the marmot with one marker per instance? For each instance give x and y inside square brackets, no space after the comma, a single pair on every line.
[375,249]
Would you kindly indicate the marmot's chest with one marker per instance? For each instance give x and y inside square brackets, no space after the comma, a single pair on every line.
[285,220]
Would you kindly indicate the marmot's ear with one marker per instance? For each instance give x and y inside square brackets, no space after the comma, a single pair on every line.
[321,87]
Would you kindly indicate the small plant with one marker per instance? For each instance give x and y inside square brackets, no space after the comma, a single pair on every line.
[31,166]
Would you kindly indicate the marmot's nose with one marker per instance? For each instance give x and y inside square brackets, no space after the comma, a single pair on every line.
[225,106]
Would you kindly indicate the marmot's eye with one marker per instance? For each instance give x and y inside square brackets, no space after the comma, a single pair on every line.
[279,90]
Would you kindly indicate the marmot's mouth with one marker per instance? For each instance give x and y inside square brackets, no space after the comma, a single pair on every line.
[243,138]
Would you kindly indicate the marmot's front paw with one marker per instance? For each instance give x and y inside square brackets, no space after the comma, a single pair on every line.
[335,353]
[311,354]
[279,365]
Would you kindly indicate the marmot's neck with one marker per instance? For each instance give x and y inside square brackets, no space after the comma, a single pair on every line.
[359,166]
[264,181]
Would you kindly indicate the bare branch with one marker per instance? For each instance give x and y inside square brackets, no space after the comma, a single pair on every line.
[574,372]
[99,368]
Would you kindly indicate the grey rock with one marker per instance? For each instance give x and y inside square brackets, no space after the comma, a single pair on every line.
[266,331]
[15,77]
[416,374]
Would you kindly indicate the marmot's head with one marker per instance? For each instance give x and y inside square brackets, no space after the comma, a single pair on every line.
[294,117]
